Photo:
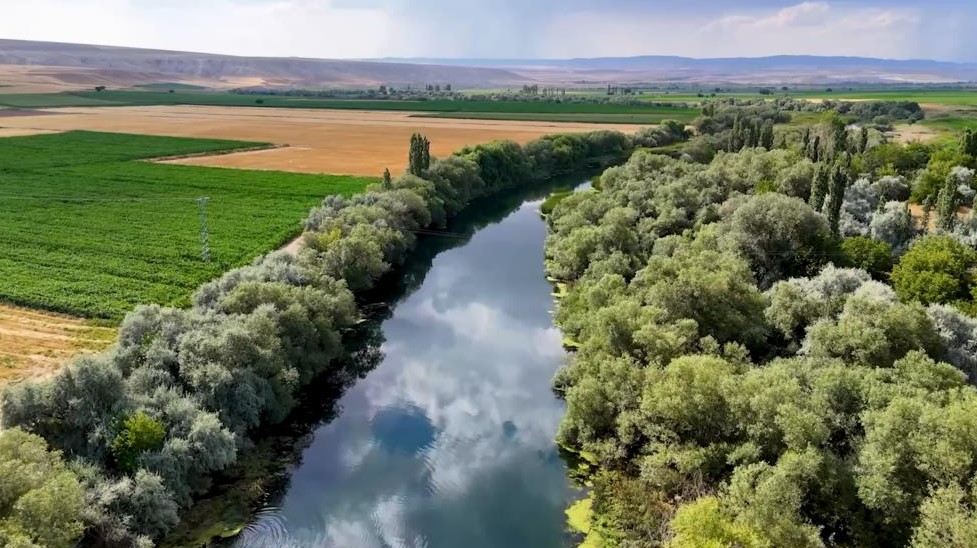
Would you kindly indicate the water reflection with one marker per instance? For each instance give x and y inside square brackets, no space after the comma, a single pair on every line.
[449,441]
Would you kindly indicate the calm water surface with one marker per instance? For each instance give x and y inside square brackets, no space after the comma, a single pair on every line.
[449,442]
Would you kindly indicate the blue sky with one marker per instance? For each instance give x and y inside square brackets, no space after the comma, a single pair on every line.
[934,29]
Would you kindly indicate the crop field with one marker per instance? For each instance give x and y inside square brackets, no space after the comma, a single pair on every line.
[89,230]
[504,110]
[318,141]
[652,115]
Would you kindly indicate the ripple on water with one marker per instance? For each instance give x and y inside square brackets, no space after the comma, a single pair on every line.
[268,528]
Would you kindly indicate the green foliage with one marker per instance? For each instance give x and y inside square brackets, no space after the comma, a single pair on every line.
[873,256]
[65,193]
[550,203]
[937,173]
[41,502]
[138,434]
[936,269]
[701,524]
[780,237]
[812,415]
[419,157]
[194,385]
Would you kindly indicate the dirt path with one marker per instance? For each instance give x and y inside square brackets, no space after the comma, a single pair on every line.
[318,141]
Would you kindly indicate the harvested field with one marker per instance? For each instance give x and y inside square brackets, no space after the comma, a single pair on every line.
[319,141]
[35,344]
[914,133]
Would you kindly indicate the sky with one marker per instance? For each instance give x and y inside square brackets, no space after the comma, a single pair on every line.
[900,29]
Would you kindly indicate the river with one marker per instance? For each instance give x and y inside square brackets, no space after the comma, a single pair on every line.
[448,442]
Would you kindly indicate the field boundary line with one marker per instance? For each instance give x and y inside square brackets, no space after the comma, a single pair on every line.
[257,148]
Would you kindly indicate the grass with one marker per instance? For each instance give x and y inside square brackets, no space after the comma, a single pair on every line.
[167,86]
[89,230]
[51,100]
[503,110]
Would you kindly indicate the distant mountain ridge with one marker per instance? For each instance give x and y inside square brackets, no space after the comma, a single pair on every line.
[769,69]
[80,65]
[273,71]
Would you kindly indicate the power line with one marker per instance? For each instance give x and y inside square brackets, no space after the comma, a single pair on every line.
[204,235]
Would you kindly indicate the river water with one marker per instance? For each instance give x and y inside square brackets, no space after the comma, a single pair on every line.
[448,442]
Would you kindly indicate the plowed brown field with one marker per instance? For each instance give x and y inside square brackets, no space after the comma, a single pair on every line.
[316,141]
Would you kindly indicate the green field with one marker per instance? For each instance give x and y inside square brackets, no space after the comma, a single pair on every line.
[504,110]
[89,230]
[660,113]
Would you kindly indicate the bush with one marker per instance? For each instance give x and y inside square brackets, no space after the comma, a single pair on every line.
[936,269]
[872,256]
[139,433]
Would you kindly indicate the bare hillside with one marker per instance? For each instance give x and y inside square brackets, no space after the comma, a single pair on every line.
[147,66]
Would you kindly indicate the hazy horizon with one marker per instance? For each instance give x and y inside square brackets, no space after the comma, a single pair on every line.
[508,29]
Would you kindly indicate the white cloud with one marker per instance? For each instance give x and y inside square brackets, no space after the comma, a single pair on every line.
[501,28]
[816,28]
[275,28]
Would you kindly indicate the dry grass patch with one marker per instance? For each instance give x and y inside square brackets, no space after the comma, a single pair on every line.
[36,344]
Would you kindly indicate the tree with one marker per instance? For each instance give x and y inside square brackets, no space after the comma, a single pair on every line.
[836,196]
[139,433]
[780,237]
[419,159]
[820,186]
[767,135]
[968,142]
[936,269]
[894,225]
[863,140]
[948,520]
[947,204]
[387,179]
[873,256]
[41,501]
[874,332]
[703,524]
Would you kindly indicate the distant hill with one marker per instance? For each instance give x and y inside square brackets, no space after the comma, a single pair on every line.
[48,66]
[795,69]
[143,66]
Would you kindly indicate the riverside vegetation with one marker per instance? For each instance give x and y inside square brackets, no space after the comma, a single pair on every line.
[770,350]
[144,427]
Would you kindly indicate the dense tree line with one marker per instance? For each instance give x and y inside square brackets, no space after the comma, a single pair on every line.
[145,426]
[526,94]
[770,349]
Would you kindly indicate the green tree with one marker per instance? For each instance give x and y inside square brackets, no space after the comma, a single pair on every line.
[139,433]
[820,186]
[767,135]
[41,501]
[702,524]
[419,158]
[836,196]
[872,256]
[780,237]
[936,269]
[947,204]
[968,142]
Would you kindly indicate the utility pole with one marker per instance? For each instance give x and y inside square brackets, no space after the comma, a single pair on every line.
[204,236]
